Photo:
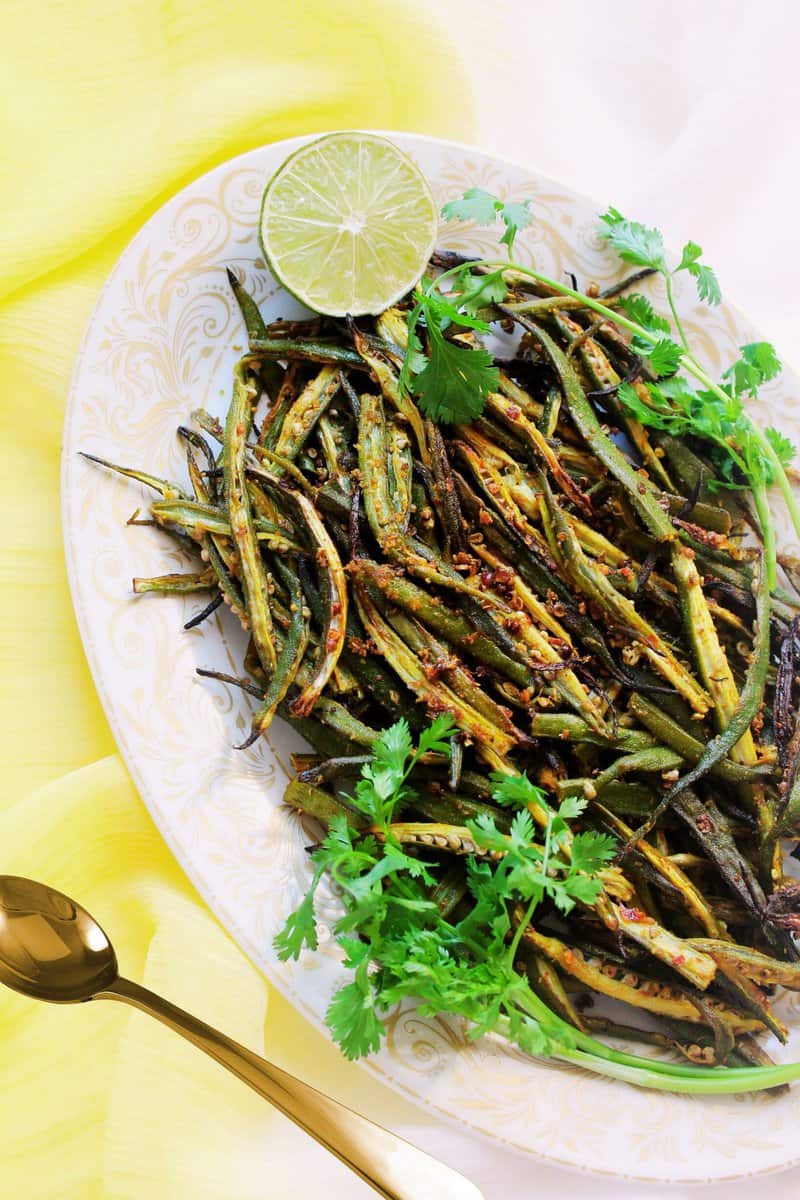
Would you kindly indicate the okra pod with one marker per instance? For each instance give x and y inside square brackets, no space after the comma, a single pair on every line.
[253,574]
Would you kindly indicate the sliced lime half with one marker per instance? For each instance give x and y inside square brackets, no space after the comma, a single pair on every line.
[348,224]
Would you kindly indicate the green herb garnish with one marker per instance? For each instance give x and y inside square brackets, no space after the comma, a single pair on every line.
[451,380]
[395,941]
[452,384]
[398,946]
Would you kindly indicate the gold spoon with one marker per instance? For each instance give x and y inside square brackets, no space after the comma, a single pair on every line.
[51,949]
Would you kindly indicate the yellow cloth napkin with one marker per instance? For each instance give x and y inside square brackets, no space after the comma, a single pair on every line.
[109,108]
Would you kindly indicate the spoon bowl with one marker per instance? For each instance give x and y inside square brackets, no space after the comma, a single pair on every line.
[50,947]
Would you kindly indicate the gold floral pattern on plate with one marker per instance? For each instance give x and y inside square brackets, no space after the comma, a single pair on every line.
[161,342]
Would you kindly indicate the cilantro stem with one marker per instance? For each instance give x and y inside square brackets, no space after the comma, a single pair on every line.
[598,307]
[675,317]
[782,479]
[714,1081]
[761,501]
[532,903]
[526,920]
[571,1045]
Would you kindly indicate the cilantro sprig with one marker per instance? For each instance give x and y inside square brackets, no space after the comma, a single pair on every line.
[452,384]
[743,454]
[395,942]
[397,946]
[451,380]
[484,208]
[644,247]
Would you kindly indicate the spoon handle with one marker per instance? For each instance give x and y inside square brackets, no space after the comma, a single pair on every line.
[393,1167]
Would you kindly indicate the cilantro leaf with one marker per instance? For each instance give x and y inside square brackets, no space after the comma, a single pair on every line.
[571,807]
[529,1035]
[300,928]
[659,412]
[353,1020]
[475,205]
[484,208]
[784,449]
[633,242]
[691,252]
[338,840]
[480,291]
[643,246]
[515,217]
[758,364]
[704,277]
[379,791]
[708,288]
[415,357]
[590,851]
[639,309]
[561,897]
[435,739]
[740,453]
[485,833]
[515,791]
[583,888]
[456,380]
[393,747]
[444,310]
[763,357]
[673,406]
[521,832]
[299,931]
[664,357]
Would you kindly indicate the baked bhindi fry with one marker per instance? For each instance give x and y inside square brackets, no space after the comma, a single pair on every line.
[595,640]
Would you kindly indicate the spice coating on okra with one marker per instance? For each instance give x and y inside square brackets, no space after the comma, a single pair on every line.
[576,612]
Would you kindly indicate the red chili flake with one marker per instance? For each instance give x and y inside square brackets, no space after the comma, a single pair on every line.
[635,914]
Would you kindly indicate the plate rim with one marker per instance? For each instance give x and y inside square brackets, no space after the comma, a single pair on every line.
[204,888]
